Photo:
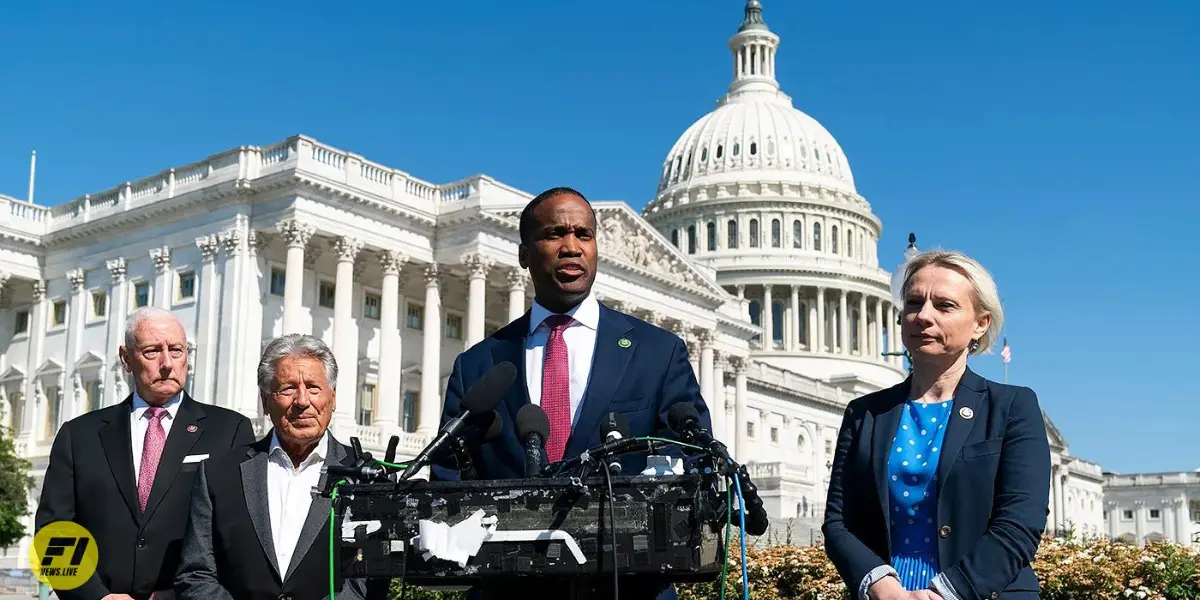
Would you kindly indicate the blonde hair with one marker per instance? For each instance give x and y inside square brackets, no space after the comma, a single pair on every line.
[983,287]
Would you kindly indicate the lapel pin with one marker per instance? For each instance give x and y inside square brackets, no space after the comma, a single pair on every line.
[966,412]
[624,342]
[192,428]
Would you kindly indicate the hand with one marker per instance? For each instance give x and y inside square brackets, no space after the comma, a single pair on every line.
[117,597]
[924,595]
[889,588]
[166,595]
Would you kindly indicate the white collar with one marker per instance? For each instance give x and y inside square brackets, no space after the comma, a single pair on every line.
[317,453]
[586,313]
[140,406]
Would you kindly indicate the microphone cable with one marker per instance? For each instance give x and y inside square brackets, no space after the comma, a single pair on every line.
[612,518]
[333,496]
[742,517]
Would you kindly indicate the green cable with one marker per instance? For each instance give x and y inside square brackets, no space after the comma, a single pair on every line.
[333,499]
[728,529]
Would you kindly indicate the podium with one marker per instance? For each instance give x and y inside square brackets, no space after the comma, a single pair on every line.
[667,530]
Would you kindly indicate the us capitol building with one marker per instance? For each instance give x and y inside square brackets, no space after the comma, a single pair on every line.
[756,248]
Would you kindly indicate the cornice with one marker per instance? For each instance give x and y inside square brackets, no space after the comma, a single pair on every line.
[786,392]
[341,192]
[805,206]
[786,271]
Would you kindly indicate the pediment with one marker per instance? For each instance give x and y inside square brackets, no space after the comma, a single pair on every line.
[50,367]
[12,373]
[1055,436]
[626,238]
[90,360]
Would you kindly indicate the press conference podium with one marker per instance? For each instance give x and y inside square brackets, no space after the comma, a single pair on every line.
[667,530]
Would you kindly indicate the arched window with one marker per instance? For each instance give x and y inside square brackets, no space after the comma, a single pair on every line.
[753,148]
[675,237]
[770,147]
[720,150]
[850,244]
[704,154]
[691,239]
[737,148]
[797,234]
[817,237]
[753,233]
[801,323]
[755,312]
[732,242]
[777,322]
[833,246]
[712,236]
[854,345]
[776,233]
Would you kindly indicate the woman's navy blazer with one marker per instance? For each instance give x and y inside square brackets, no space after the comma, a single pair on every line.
[993,488]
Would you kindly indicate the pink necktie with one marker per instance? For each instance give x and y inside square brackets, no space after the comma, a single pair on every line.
[156,438]
[556,387]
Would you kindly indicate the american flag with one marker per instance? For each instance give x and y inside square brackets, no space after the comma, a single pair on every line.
[1005,353]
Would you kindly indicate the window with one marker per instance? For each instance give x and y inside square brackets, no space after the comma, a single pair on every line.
[326,293]
[53,410]
[850,245]
[750,429]
[408,412]
[99,304]
[737,148]
[770,147]
[753,233]
[22,322]
[828,446]
[371,305]
[753,148]
[691,239]
[187,285]
[91,398]
[833,245]
[776,233]
[675,237]
[774,435]
[415,317]
[1127,515]
[278,281]
[756,312]
[712,236]
[366,404]
[58,315]
[797,234]
[732,234]
[817,237]
[704,154]
[800,442]
[720,150]
[1155,513]
[454,326]
[141,294]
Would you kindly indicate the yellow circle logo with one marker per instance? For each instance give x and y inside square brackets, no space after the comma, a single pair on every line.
[63,555]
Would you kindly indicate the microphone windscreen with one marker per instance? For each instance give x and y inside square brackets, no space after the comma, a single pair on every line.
[532,419]
[680,414]
[495,428]
[489,390]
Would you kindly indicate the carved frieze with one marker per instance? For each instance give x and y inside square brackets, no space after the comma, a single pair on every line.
[623,240]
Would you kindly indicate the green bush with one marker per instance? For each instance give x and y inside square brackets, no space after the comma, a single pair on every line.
[1068,570]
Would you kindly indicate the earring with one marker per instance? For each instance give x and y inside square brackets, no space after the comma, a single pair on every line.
[974,346]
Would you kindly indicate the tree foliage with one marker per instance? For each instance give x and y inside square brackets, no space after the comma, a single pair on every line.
[15,483]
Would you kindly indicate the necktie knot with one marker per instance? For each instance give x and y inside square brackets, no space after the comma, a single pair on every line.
[557,323]
[155,413]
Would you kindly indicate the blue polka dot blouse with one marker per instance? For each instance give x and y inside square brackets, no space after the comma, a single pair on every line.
[912,491]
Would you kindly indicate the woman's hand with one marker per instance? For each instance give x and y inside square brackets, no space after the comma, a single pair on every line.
[889,588]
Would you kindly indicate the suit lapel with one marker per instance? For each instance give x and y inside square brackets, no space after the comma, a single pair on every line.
[887,419]
[185,432]
[609,361]
[318,510]
[511,348]
[254,488]
[968,399]
[118,451]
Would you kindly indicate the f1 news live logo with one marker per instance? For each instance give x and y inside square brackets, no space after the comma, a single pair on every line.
[63,555]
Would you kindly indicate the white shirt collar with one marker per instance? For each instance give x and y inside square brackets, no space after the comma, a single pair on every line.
[140,405]
[317,454]
[586,313]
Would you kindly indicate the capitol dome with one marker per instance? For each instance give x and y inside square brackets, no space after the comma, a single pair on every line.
[755,132]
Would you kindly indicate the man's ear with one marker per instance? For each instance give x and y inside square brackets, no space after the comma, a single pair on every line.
[124,356]
[523,256]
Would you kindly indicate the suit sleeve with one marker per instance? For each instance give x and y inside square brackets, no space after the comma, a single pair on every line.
[857,564]
[57,503]
[679,386]
[1019,506]
[450,409]
[196,578]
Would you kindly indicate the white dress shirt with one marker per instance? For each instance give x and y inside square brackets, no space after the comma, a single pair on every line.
[139,423]
[580,337]
[289,494]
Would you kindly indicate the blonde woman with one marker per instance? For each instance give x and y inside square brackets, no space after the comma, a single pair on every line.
[940,484]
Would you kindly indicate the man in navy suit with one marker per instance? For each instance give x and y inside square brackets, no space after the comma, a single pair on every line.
[577,358]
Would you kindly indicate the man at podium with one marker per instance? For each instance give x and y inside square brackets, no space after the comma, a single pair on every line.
[577,359]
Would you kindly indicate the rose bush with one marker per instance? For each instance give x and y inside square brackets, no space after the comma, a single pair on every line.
[1068,570]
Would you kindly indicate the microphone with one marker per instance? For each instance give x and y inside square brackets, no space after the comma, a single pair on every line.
[480,400]
[685,420]
[602,452]
[533,429]
[614,427]
[462,454]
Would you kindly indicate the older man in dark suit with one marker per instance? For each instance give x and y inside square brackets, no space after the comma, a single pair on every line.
[125,472]
[257,531]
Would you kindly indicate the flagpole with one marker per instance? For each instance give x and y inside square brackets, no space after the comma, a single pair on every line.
[1005,373]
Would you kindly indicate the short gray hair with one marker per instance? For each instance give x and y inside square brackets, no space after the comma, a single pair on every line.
[294,344]
[143,314]
[984,293]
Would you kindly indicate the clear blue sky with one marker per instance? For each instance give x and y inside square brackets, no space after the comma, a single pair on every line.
[1056,144]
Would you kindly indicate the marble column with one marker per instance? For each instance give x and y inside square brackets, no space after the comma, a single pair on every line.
[863,331]
[345,336]
[430,412]
[37,342]
[118,310]
[295,234]
[77,316]
[1183,519]
[811,325]
[878,347]
[741,443]
[843,323]
[705,339]
[716,406]
[768,324]
[391,349]
[162,279]
[206,323]
[478,266]
[822,326]
[518,280]
[794,324]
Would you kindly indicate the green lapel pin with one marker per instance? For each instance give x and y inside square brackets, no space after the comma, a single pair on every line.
[624,342]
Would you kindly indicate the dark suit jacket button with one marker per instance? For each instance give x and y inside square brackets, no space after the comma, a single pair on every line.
[285,597]
[141,543]
[944,532]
